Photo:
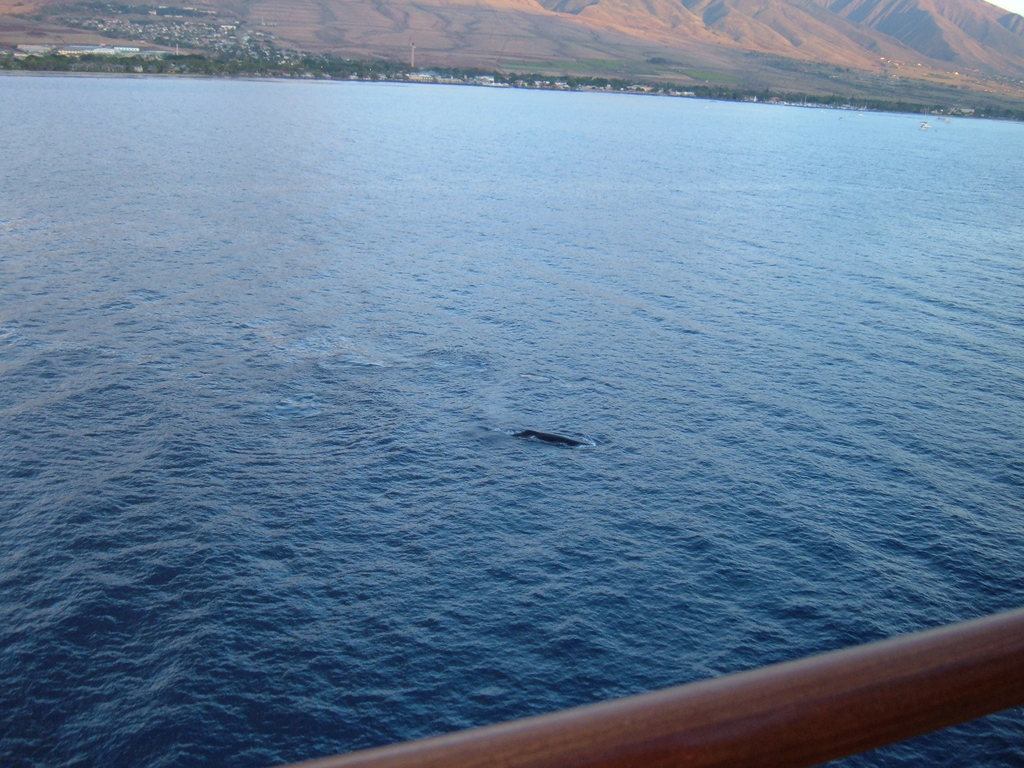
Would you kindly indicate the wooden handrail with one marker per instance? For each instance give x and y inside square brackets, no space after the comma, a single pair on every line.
[798,713]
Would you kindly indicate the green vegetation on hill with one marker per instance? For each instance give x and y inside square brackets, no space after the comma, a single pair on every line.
[272,64]
[291,64]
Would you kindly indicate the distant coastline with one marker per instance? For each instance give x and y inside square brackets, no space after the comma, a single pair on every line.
[295,65]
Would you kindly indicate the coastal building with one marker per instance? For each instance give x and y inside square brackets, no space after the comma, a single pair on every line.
[103,50]
[23,51]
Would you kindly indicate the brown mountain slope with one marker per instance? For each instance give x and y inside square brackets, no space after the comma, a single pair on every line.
[958,31]
[969,34]
[446,31]
[787,29]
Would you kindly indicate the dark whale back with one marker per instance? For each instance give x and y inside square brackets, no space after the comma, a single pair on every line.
[547,437]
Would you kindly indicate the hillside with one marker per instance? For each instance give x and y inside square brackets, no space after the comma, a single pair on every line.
[865,47]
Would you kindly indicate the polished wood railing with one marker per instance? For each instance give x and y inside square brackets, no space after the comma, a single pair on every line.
[799,713]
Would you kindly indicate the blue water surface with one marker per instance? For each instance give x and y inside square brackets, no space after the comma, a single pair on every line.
[263,346]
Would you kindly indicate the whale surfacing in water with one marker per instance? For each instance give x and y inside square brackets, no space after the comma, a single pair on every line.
[547,437]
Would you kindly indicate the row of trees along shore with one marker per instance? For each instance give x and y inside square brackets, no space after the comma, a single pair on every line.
[291,64]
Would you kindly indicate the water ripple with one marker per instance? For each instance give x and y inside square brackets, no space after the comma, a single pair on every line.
[260,497]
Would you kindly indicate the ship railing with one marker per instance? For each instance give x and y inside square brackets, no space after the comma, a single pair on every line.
[798,713]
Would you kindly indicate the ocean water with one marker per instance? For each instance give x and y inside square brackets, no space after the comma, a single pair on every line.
[263,346]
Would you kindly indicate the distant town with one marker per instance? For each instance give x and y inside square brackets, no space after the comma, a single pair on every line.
[293,64]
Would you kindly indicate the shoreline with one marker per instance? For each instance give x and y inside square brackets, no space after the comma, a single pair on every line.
[837,102]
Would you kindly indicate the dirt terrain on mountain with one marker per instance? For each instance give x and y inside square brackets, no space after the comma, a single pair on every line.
[873,35]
